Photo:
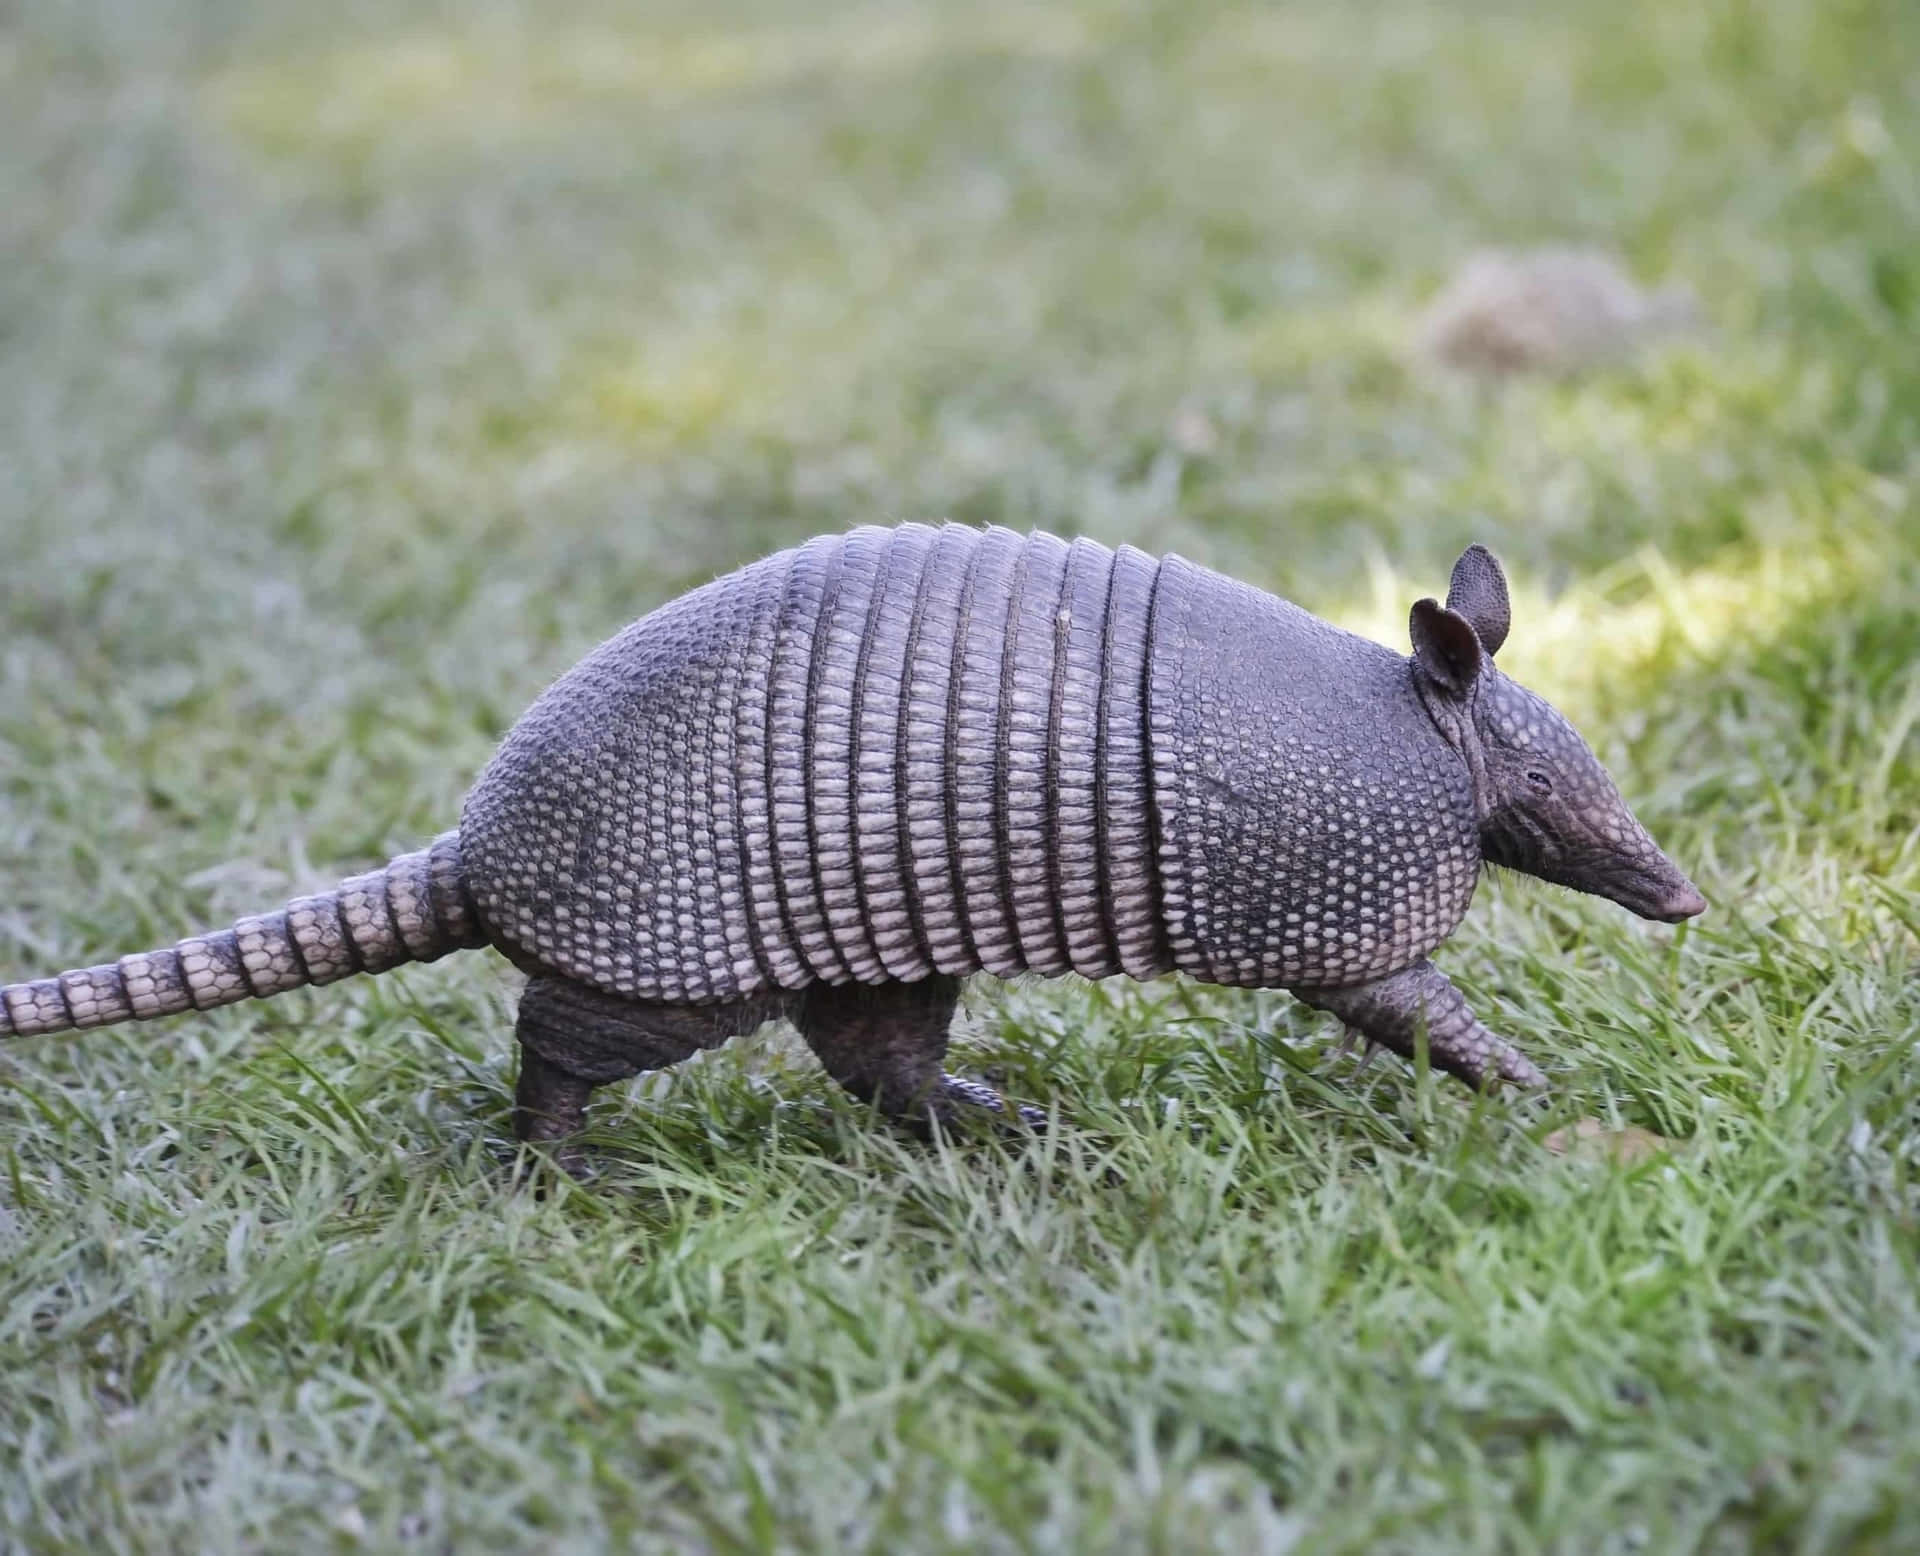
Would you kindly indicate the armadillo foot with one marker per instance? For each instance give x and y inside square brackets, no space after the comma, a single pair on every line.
[886,1043]
[1516,1067]
[549,1110]
[568,1157]
[1416,1003]
[959,1098]
[1350,1039]
[549,1103]
[574,1037]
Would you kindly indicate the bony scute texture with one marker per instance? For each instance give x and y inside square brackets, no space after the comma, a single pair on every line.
[1315,826]
[831,784]
[887,785]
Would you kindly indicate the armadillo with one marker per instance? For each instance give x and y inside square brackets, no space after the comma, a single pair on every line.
[832,784]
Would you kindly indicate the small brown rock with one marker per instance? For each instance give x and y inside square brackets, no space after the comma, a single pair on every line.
[1546,310]
[1193,433]
[1590,1138]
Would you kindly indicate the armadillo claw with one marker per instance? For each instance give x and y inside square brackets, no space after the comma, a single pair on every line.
[571,1158]
[1488,1071]
[957,1094]
[1520,1070]
[1483,1059]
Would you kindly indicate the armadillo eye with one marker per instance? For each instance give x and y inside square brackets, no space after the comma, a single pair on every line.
[1539,781]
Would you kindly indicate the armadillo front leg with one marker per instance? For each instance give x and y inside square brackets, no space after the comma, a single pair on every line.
[1392,1010]
[886,1044]
[574,1038]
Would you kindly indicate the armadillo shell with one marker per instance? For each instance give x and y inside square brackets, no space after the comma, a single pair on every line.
[876,756]
[1313,827]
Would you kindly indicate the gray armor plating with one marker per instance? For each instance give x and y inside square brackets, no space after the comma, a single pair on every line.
[829,785]
[880,756]
[1315,826]
[906,751]
[414,910]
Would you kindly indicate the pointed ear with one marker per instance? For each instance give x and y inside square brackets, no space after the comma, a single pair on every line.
[1478,591]
[1445,647]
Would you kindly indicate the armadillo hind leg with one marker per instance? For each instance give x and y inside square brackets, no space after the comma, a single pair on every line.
[549,1103]
[886,1044]
[1391,1011]
[574,1038]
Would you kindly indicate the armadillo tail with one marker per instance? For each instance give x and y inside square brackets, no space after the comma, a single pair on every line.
[417,909]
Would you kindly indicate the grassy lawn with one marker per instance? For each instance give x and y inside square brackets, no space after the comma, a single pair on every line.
[361,365]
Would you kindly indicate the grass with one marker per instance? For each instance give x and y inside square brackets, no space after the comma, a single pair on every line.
[362,365]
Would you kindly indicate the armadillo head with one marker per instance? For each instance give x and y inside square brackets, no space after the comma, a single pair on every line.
[1547,807]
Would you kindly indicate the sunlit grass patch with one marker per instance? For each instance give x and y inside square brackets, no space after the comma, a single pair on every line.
[666,396]
[1645,615]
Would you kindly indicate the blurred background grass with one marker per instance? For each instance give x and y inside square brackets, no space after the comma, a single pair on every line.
[361,365]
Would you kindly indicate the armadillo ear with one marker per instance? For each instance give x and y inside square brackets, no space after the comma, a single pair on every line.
[1478,591]
[1445,647]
